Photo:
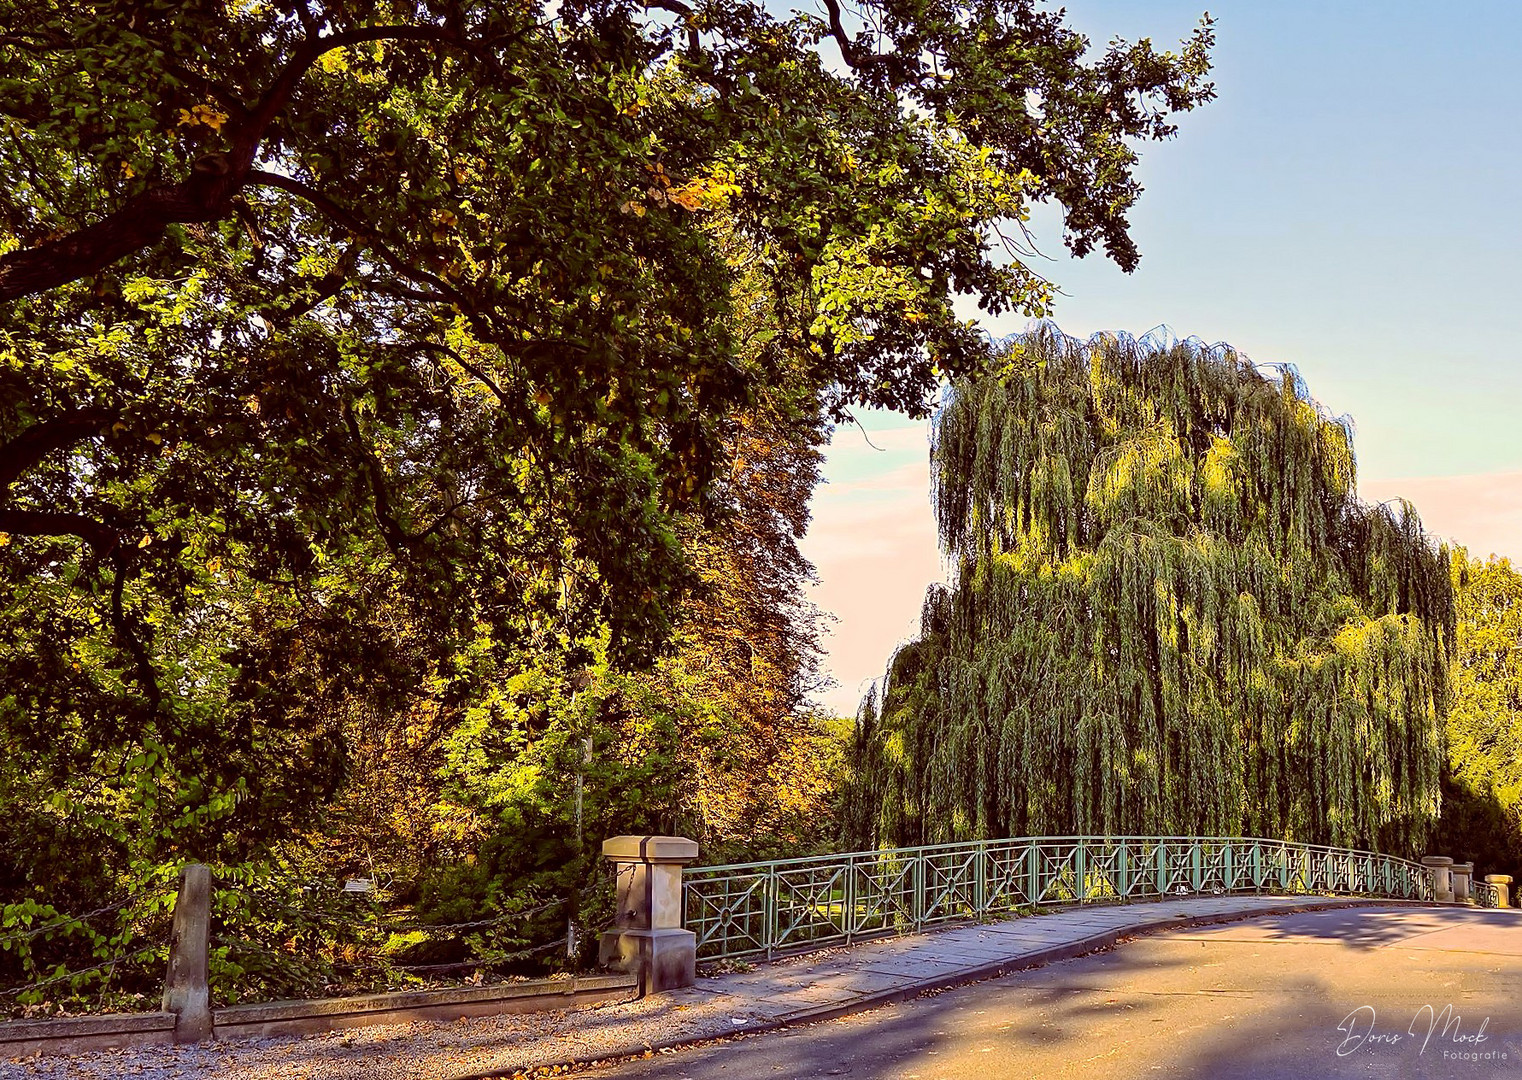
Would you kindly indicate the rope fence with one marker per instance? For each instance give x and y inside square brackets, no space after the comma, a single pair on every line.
[114,956]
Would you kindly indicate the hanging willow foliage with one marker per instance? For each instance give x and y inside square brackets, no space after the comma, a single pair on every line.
[1171,614]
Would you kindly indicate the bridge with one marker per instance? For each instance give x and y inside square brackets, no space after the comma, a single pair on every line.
[667,920]
[1253,957]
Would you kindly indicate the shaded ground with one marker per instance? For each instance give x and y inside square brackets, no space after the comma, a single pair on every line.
[1346,993]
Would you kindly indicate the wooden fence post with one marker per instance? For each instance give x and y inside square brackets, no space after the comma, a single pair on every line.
[187,991]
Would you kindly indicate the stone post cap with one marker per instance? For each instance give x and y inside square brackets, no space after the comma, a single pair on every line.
[650,849]
[1463,868]
[1498,879]
[1436,860]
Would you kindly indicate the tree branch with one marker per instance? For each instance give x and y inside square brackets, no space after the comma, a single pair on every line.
[39,440]
[98,535]
[206,195]
[341,217]
[676,7]
[280,90]
[392,532]
[471,369]
[325,288]
[855,59]
[124,631]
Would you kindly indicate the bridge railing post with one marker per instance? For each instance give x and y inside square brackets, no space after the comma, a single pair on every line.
[1500,881]
[647,938]
[1463,874]
[1441,869]
[848,921]
[980,881]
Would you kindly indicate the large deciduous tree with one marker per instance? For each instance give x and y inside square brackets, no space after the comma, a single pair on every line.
[1171,614]
[304,304]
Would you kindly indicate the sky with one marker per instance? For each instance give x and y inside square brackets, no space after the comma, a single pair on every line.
[1349,204]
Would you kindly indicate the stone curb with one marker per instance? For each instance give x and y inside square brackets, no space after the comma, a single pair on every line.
[1066,951]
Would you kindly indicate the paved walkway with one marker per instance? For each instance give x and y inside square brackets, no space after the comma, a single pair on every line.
[814,986]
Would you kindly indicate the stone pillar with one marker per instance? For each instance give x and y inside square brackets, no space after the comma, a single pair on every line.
[647,937]
[187,991]
[1463,873]
[1500,881]
[1442,878]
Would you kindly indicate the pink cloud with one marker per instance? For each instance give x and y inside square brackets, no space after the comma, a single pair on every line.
[873,542]
[1483,512]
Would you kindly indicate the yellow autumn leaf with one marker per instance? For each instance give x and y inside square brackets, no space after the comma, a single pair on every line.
[202,114]
[145,541]
[154,437]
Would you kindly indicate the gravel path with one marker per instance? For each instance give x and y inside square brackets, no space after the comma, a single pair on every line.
[425,1051]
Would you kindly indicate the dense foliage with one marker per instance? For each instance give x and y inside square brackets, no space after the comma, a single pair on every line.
[312,311]
[374,377]
[1170,614]
[1482,793]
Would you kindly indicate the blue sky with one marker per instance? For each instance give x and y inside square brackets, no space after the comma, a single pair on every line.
[1349,204]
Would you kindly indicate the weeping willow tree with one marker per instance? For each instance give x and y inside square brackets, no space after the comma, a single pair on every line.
[1170,614]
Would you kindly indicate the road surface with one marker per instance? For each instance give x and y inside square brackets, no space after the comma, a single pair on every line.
[1356,992]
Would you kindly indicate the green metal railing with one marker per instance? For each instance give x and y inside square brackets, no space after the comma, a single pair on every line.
[766,908]
[1486,894]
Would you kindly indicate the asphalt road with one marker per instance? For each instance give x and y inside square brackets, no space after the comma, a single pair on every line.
[1358,992]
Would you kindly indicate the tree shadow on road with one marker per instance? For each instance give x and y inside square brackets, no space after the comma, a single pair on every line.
[1362,927]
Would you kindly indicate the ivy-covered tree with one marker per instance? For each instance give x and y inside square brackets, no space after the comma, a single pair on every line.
[1171,614]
